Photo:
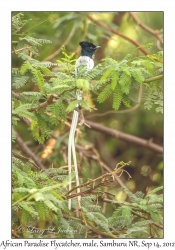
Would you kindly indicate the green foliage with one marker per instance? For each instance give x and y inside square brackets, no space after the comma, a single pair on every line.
[39,198]
[105,93]
[153,98]
[122,77]
[18,22]
[110,78]
[136,217]
[34,42]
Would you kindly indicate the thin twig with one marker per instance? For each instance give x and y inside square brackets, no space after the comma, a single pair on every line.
[155,78]
[15,234]
[28,151]
[16,95]
[16,51]
[92,154]
[126,137]
[120,111]
[145,27]
[137,44]
[101,178]
[64,44]
[44,104]
[18,155]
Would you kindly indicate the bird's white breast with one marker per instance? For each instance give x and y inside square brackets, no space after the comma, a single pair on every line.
[86,60]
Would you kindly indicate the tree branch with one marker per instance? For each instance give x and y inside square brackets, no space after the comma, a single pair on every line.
[64,44]
[137,44]
[16,51]
[126,137]
[145,27]
[101,178]
[155,78]
[92,153]
[18,155]
[44,104]
[28,151]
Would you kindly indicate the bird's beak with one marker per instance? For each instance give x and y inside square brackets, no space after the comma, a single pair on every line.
[98,47]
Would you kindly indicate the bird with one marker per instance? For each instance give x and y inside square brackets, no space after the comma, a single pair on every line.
[87,51]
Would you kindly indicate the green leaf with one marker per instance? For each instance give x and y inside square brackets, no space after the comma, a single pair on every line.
[72,106]
[35,41]
[82,84]
[126,212]
[114,80]
[22,111]
[26,66]
[137,74]
[117,97]
[126,101]
[85,105]
[107,73]
[13,135]
[155,190]
[105,93]
[125,82]
[39,78]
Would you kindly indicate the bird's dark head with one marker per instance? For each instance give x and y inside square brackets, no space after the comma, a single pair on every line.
[88,48]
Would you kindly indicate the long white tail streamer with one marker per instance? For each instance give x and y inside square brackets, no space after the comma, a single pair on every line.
[71,148]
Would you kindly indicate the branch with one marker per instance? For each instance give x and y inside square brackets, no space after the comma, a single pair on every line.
[148,29]
[155,78]
[28,151]
[64,44]
[137,44]
[41,105]
[126,137]
[101,178]
[18,155]
[44,104]
[16,51]
[92,154]
[49,101]
[16,95]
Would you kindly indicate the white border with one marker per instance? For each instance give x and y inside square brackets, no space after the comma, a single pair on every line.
[5,94]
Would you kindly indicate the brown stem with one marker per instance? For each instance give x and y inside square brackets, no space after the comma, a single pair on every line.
[155,78]
[28,151]
[64,44]
[16,51]
[137,44]
[94,155]
[145,27]
[18,155]
[101,178]
[126,137]
[44,104]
